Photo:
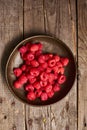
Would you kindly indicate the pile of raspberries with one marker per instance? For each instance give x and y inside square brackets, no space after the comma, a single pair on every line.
[41,74]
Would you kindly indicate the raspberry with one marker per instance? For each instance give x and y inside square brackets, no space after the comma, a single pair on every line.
[23,67]
[50,94]
[44,76]
[31,96]
[55,69]
[22,79]
[43,83]
[17,72]
[40,46]
[38,93]
[48,88]
[34,71]
[48,70]
[61,70]
[51,77]
[57,58]
[32,80]
[44,96]
[38,53]
[37,85]
[62,79]
[29,76]
[27,62]
[29,87]
[34,63]
[56,88]
[23,49]
[44,65]
[59,64]
[51,63]
[28,45]
[29,56]
[34,47]
[40,69]
[41,59]
[65,61]
[17,84]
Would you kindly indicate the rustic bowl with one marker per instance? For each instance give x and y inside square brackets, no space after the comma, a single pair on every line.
[51,45]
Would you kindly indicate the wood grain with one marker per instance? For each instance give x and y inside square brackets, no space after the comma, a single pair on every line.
[82,61]
[57,18]
[11,32]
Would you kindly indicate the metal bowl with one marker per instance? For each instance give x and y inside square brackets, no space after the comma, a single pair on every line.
[51,45]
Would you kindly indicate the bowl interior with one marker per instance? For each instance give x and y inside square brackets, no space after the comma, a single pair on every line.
[50,45]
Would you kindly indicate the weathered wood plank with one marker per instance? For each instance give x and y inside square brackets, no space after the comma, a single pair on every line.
[11,32]
[60,21]
[82,60]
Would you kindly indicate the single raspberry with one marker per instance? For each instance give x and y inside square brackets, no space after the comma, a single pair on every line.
[61,70]
[29,56]
[44,65]
[41,59]
[65,61]
[22,79]
[51,77]
[43,83]
[23,67]
[55,69]
[38,53]
[40,46]
[32,80]
[23,49]
[29,76]
[48,88]
[29,87]
[31,96]
[56,88]
[44,96]
[61,79]
[51,63]
[28,45]
[50,94]
[17,84]
[44,76]
[57,58]
[34,47]
[34,63]
[27,62]
[40,69]
[48,70]
[38,93]
[17,72]
[34,71]
[37,85]
[59,64]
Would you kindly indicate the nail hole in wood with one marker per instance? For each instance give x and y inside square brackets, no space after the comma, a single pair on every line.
[5,117]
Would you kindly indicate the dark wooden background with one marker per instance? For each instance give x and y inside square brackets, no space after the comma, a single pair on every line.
[66,20]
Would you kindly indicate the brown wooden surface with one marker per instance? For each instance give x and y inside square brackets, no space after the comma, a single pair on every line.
[66,20]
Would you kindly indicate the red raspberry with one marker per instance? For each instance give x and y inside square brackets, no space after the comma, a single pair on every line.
[29,87]
[27,62]
[50,94]
[34,71]
[48,70]
[48,88]
[23,67]
[51,77]
[22,79]
[29,76]
[38,53]
[61,79]
[34,47]
[44,96]
[37,85]
[17,72]
[56,88]
[38,93]
[31,96]
[17,84]
[23,49]
[65,61]
[40,46]
[59,64]
[34,63]
[40,69]
[41,59]
[43,83]
[57,58]
[55,69]
[50,55]
[29,56]
[32,80]
[28,45]
[44,76]
[44,65]
[51,63]
[61,70]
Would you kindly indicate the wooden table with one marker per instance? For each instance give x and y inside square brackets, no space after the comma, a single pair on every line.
[66,20]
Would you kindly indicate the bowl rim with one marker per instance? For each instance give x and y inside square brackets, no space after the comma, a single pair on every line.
[20,43]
